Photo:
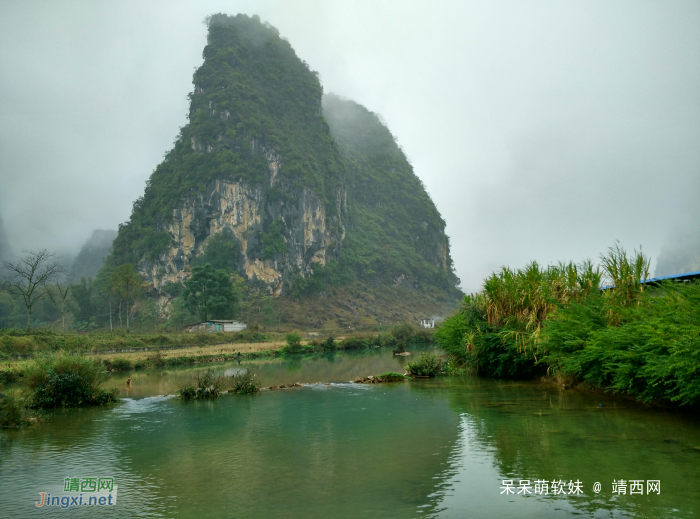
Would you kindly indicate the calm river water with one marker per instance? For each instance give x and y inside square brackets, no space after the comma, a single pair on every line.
[425,448]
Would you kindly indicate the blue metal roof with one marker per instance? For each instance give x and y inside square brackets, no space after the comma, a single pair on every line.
[676,277]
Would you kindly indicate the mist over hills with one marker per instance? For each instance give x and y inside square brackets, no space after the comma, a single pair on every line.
[5,250]
[92,254]
[312,192]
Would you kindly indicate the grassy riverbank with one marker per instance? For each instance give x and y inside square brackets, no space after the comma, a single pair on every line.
[14,342]
[630,339]
[77,374]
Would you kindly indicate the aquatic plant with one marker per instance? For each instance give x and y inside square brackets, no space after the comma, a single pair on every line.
[245,382]
[202,385]
[62,380]
[428,365]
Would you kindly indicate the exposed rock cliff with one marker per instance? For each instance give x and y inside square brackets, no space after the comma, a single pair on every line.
[304,236]
[331,213]
[256,158]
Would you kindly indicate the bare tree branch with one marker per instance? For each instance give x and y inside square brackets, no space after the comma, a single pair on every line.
[29,275]
[59,300]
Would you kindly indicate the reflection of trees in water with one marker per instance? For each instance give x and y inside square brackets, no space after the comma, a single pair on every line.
[546,434]
[293,363]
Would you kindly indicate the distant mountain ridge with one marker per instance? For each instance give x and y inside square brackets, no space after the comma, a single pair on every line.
[92,254]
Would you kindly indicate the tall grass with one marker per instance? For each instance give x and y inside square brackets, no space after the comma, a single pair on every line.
[648,348]
[624,338]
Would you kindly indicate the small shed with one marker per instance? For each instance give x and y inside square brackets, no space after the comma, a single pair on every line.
[427,323]
[217,325]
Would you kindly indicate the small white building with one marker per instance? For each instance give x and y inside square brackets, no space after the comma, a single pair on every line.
[217,325]
[427,323]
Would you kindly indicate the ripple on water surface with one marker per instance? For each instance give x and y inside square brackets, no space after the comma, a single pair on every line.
[431,448]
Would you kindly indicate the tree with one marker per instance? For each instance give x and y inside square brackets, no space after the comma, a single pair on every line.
[221,252]
[210,292]
[30,275]
[104,293]
[62,289]
[126,283]
[83,295]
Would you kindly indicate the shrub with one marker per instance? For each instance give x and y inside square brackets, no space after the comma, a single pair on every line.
[245,382]
[156,359]
[10,375]
[427,365]
[403,332]
[122,365]
[62,380]
[391,376]
[14,413]
[650,350]
[118,365]
[329,344]
[203,385]
[293,343]
[356,343]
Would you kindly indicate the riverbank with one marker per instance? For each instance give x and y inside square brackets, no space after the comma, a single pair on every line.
[19,344]
[625,339]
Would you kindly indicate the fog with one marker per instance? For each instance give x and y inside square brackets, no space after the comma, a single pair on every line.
[543,130]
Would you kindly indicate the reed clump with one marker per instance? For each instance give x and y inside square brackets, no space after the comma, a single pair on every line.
[601,325]
[245,382]
[427,365]
[203,385]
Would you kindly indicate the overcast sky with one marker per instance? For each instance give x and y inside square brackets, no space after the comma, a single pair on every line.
[542,130]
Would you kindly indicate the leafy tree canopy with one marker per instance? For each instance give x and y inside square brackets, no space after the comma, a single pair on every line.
[210,292]
[221,252]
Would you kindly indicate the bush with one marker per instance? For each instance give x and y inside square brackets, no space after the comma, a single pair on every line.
[245,382]
[391,376]
[14,413]
[293,343]
[403,332]
[9,375]
[118,365]
[203,385]
[652,351]
[427,365]
[329,344]
[62,380]
[156,359]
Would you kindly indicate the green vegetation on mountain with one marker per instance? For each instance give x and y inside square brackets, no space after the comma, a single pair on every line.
[394,228]
[221,252]
[252,96]
[305,203]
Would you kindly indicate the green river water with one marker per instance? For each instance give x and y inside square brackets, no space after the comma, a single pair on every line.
[425,448]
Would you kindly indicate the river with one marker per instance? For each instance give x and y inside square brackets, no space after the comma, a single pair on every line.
[437,447]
